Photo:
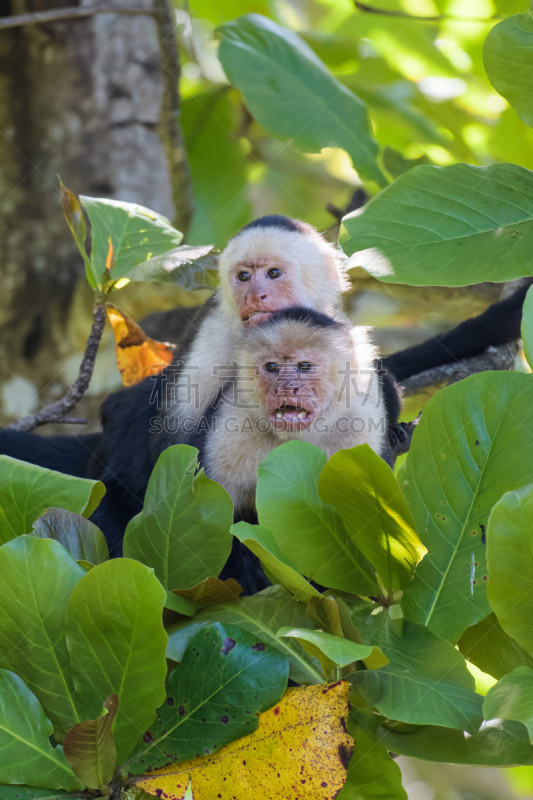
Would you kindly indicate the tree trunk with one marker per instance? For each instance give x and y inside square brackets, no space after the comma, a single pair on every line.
[94,100]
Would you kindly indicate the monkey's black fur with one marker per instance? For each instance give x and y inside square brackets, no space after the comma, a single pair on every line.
[124,455]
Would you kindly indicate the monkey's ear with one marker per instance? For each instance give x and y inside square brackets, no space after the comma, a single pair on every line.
[138,356]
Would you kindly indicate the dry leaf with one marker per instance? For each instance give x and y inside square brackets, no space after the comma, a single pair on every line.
[211,592]
[138,356]
[300,749]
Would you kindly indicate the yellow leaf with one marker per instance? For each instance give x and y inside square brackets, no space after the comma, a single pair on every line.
[137,355]
[300,749]
[110,258]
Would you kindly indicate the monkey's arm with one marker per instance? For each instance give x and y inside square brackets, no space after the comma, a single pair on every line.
[499,324]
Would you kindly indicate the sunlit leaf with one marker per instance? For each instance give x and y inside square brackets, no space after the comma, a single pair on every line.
[83,540]
[137,234]
[341,651]
[262,615]
[138,356]
[26,755]
[36,579]
[27,490]
[510,564]
[466,452]
[117,645]
[186,266]
[508,57]
[261,542]
[446,226]
[527,326]
[225,678]
[292,94]
[90,749]
[363,489]
[289,749]
[183,530]
[289,505]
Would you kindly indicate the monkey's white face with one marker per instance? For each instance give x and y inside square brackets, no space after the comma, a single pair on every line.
[261,289]
[293,391]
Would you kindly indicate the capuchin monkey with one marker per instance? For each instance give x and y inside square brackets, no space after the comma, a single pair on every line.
[271,265]
[301,375]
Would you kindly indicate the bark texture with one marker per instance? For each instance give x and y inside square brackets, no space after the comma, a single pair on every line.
[88,99]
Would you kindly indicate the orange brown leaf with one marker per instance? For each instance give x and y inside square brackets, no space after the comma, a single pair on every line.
[211,592]
[138,356]
[300,749]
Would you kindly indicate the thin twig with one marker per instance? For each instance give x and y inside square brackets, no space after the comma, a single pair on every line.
[58,411]
[66,13]
[384,12]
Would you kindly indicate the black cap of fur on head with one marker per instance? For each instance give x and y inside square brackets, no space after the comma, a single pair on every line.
[302,314]
[280,221]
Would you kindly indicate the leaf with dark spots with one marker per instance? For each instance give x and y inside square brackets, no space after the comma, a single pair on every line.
[246,681]
[170,701]
[483,534]
[260,647]
[228,645]
[285,748]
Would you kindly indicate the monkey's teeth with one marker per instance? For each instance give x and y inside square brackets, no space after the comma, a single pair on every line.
[302,415]
[279,414]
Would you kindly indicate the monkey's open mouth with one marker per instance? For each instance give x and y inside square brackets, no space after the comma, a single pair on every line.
[255,317]
[291,418]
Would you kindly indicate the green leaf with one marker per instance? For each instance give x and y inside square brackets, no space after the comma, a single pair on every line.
[491,649]
[510,563]
[27,490]
[261,542]
[262,615]
[117,645]
[446,226]
[183,531]
[527,326]
[292,94]
[212,127]
[396,164]
[466,452]
[419,699]
[289,505]
[83,540]
[90,748]
[341,651]
[363,489]
[183,266]
[226,678]
[502,745]
[508,57]
[137,234]
[76,222]
[36,579]
[512,698]
[372,773]
[26,755]
[411,647]
[16,792]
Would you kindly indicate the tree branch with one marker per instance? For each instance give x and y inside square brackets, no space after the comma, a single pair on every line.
[500,358]
[58,411]
[384,12]
[54,14]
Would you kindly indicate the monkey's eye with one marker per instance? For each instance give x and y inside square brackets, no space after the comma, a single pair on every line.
[271,366]
[274,273]
[304,366]
[243,276]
